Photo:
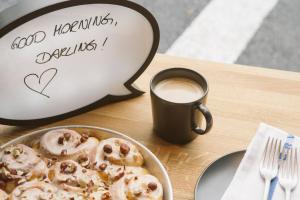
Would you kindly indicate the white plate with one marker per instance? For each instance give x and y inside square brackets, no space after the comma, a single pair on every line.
[213,182]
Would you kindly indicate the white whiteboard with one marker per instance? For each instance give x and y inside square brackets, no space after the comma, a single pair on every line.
[70,58]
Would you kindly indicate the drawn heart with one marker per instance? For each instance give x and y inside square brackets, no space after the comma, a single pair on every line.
[38,83]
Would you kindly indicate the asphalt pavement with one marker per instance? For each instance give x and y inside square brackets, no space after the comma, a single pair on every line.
[276,43]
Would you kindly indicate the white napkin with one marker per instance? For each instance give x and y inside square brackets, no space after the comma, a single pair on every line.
[247,183]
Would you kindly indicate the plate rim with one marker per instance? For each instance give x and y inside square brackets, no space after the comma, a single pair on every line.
[210,164]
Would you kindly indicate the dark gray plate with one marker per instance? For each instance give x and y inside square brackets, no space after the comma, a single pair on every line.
[217,177]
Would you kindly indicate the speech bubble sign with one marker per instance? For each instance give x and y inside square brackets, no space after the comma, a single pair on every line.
[72,56]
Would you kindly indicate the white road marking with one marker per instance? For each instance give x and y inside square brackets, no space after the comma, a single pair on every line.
[222,30]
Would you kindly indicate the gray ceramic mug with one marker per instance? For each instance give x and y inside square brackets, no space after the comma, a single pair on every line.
[180,122]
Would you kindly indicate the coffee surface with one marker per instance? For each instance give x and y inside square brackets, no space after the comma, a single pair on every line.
[179,90]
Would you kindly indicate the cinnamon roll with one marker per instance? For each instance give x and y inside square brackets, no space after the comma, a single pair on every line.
[69,144]
[66,165]
[34,190]
[70,176]
[20,162]
[119,152]
[142,187]
[38,190]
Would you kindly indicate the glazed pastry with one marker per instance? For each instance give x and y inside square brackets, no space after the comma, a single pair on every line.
[38,190]
[3,195]
[142,187]
[70,176]
[69,144]
[21,162]
[34,190]
[111,173]
[66,165]
[118,152]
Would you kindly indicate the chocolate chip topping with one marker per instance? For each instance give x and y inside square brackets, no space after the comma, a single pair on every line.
[124,149]
[67,168]
[63,166]
[120,175]
[54,159]
[50,163]
[67,136]
[152,186]
[13,172]
[7,151]
[84,137]
[106,196]
[107,149]
[61,140]
[2,164]
[82,158]
[103,166]
[137,194]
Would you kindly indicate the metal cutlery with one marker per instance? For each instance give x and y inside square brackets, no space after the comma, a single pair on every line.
[269,164]
[288,172]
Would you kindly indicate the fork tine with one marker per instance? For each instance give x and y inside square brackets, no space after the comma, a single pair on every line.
[295,163]
[270,152]
[283,167]
[277,149]
[289,164]
[263,163]
[273,151]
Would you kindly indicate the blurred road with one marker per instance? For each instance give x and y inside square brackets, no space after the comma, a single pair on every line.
[275,44]
[261,33]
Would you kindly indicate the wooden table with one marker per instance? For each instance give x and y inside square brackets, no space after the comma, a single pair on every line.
[240,98]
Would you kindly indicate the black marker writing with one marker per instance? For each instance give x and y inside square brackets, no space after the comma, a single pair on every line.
[45,57]
[21,42]
[83,24]
[104,41]
[38,83]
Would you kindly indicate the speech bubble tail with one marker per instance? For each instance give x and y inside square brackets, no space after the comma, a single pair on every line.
[130,90]
[136,90]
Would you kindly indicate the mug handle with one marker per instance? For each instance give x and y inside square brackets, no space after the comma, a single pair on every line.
[208,118]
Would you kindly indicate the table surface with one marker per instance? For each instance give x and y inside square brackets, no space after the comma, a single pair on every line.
[240,98]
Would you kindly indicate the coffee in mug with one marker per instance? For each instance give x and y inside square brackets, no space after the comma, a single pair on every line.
[179,90]
[178,98]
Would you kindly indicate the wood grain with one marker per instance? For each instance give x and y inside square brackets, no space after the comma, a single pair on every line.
[240,98]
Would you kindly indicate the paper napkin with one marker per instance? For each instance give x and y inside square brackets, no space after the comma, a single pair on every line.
[247,183]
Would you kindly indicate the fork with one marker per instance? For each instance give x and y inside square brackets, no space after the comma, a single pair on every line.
[288,172]
[269,164]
